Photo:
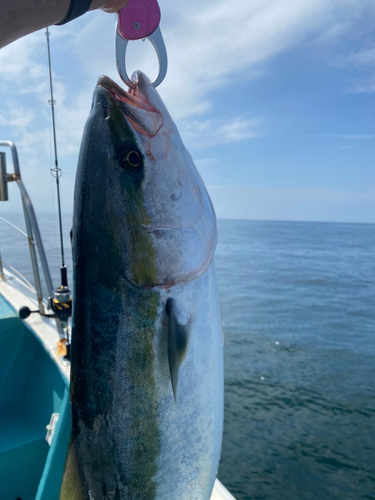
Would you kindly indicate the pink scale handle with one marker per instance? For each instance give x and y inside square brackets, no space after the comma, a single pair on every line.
[138,19]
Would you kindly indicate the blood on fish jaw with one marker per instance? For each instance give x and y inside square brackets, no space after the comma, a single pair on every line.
[123,95]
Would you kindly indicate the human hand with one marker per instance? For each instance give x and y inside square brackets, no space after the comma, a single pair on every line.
[109,6]
[19,17]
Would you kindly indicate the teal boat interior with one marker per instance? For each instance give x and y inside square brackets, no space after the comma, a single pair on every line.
[32,389]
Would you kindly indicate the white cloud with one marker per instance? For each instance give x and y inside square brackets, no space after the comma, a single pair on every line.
[237,130]
[211,46]
[19,69]
[346,136]
[363,61]
[363,58]
[200,134]
[25,119]
[365,86]
[16,116]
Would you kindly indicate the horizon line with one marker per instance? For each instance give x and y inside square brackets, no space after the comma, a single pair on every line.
[234,219]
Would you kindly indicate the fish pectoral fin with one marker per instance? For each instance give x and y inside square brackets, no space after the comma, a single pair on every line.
[178,339]
[71,487]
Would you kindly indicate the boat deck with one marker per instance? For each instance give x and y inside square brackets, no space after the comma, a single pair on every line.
[6,311]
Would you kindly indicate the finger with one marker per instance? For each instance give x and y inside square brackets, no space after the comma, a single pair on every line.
[114,5]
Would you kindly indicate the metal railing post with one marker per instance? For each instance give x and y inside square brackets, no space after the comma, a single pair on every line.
[2,275]
[34,261]
[3,178]
[28,206]
[37,236]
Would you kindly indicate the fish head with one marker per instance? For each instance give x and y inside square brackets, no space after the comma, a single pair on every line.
[139,191]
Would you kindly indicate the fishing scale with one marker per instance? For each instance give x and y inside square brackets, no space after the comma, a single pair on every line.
[139,20]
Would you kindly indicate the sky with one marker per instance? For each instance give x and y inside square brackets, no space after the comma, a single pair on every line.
[275,100]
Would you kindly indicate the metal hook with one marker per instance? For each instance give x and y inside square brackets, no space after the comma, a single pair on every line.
[157,41]
[138,20]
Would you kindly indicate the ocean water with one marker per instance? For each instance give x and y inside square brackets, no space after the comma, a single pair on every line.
[298,307]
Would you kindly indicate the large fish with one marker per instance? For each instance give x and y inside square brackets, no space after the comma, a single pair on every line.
[147,349]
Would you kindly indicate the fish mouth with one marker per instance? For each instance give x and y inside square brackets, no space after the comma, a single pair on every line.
[144,118]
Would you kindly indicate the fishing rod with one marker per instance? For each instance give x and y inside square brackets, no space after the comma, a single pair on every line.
[61,301]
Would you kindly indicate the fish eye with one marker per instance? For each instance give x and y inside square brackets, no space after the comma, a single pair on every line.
[129,158]
[134,159]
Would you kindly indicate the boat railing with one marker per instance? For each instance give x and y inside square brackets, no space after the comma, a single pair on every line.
[24,280]
[2,276]
[32,229]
